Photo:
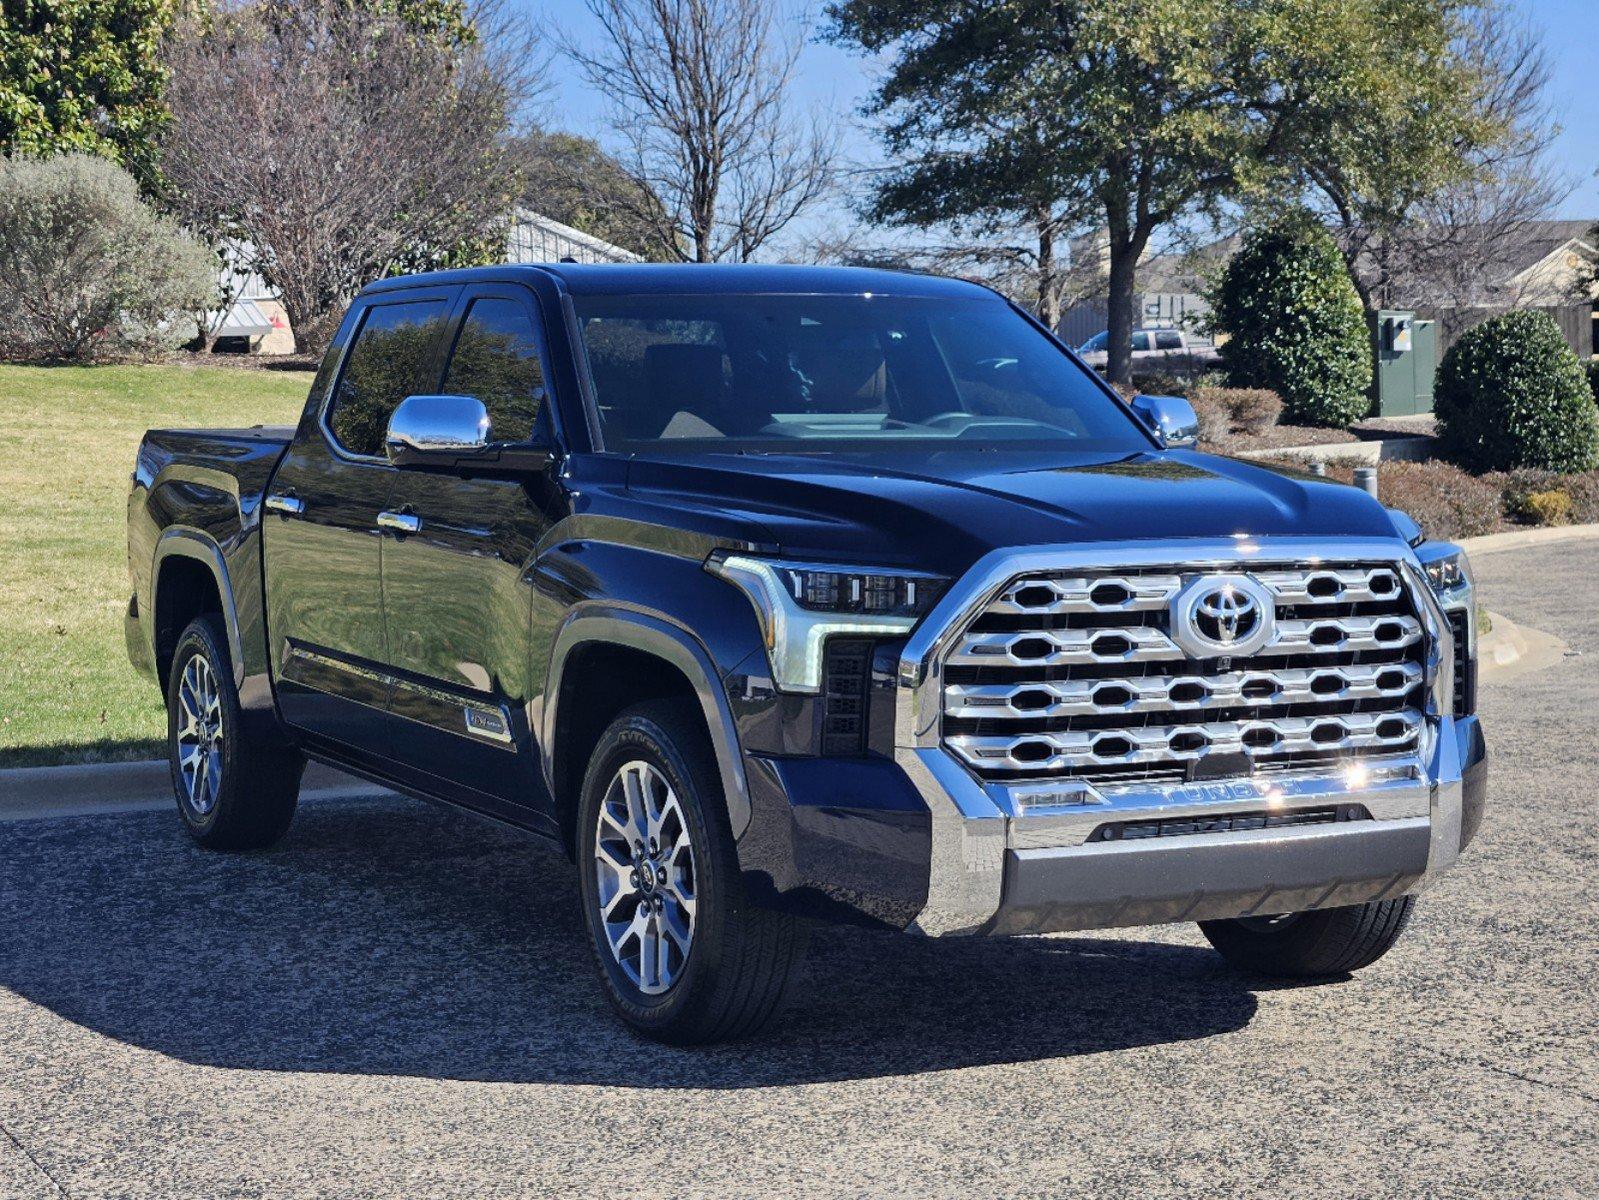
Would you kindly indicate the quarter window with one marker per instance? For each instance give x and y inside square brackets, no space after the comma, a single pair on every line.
[496,360]
[390,360]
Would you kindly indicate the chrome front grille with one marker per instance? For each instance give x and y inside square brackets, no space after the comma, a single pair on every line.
[1083,674]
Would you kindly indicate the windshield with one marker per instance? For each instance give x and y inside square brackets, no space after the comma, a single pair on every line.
[797,372]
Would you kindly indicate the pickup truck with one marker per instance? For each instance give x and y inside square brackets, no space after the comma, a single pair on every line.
[1155,349]
[775,595]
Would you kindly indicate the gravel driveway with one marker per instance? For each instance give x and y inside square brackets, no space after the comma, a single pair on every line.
[398,1002]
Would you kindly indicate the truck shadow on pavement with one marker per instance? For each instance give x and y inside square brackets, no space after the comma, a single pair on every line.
[386,937]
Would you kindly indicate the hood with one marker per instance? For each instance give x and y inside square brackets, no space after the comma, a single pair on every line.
[942,511]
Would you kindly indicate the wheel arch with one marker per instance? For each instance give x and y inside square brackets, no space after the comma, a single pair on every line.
[190,578]
[608,659]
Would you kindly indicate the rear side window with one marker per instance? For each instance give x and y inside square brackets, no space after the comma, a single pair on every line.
[496,360]
[391,359]
[1168,339]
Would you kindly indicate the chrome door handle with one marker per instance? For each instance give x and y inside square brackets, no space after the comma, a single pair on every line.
[400,522]
[286,503]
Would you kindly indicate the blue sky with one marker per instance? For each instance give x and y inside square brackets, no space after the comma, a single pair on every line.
[837,81]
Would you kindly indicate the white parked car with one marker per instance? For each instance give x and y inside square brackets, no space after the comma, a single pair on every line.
[1155,349]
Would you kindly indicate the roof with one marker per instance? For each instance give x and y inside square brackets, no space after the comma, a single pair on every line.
[535,238]
[666,279]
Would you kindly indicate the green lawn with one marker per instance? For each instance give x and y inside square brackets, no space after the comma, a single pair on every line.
[67,441]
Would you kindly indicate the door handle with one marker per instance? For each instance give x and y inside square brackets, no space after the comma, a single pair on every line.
[400,522]
[286,503]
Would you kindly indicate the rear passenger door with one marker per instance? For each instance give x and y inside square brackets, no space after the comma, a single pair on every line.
[322,544]
[457,600]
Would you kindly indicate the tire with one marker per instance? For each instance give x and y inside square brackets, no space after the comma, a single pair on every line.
[234,791]
[730,976]
[1325,944]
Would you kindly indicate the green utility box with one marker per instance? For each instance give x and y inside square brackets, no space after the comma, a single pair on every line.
[1406,354]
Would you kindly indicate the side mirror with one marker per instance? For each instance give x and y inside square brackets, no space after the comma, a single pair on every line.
[439,430]
[1171,417]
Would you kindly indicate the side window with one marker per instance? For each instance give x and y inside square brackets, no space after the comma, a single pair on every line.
[388,361]
[1140,341]
[1168,339]
[496,360]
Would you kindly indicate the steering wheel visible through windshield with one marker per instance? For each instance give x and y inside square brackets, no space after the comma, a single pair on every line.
[807,372]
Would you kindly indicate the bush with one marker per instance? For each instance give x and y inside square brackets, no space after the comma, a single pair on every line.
[1444,500]
[87,269]
[1591,367]
[1296,324]
[1160,383]
[1225,412]
[1510,393]
[1534,497]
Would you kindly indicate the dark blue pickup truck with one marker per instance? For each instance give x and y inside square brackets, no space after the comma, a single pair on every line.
[777,594]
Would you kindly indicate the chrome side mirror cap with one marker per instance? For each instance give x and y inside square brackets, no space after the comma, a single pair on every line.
[1171,417]
[437,429]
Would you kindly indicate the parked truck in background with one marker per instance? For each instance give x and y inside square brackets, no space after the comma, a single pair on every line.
[1156,349]
[783,594]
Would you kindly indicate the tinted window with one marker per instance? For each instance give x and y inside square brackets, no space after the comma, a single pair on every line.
[1140,341]
[781,369]
[496,360]
[1168,339]
[390,360]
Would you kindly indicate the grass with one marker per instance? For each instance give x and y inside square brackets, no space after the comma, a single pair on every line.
[67,441]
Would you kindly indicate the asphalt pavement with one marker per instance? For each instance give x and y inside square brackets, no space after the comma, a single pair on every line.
[398,1001]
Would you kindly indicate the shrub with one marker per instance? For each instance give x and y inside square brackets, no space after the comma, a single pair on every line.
[1444,500]
[87,268]
[1584,491]
[1592,369]
[1225,412]
[1510,393]
[1215,419]
[1551,506]
[1160,383]
[1296,324]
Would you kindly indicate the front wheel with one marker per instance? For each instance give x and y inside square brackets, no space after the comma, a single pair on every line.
[683,956]
[1312,945]
[235,790]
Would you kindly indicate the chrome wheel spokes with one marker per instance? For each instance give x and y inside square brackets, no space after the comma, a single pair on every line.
[644,866]
[200,735]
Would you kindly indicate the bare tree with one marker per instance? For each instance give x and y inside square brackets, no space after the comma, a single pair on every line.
[1433,237]
[337,139]
[700,92]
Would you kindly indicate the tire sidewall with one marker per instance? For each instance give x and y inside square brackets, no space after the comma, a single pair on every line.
[203,639]
[635,737]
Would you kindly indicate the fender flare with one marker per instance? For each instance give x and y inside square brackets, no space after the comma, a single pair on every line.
[192,543]
[617,626]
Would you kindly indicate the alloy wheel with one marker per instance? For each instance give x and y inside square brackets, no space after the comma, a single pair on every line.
[200,735]
[644,866]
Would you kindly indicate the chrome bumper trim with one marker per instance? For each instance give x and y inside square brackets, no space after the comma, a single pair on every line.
[985,833]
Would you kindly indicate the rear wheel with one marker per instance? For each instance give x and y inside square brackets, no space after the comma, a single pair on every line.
[1312,945]
[683,956]
[234,791]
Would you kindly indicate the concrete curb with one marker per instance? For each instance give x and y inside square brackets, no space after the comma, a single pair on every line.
[1516,539]
[1367,452]
[97,789]
[1508,650]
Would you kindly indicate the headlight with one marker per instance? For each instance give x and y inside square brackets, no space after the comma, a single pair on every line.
[1448,571]
[801,604]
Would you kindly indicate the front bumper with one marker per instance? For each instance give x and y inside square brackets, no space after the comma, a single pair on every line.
[1000,867]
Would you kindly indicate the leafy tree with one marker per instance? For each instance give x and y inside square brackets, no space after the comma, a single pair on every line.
[570,179]
[84,75]
[86,267]
[1295,324]
[1510,393]
[1134,114]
